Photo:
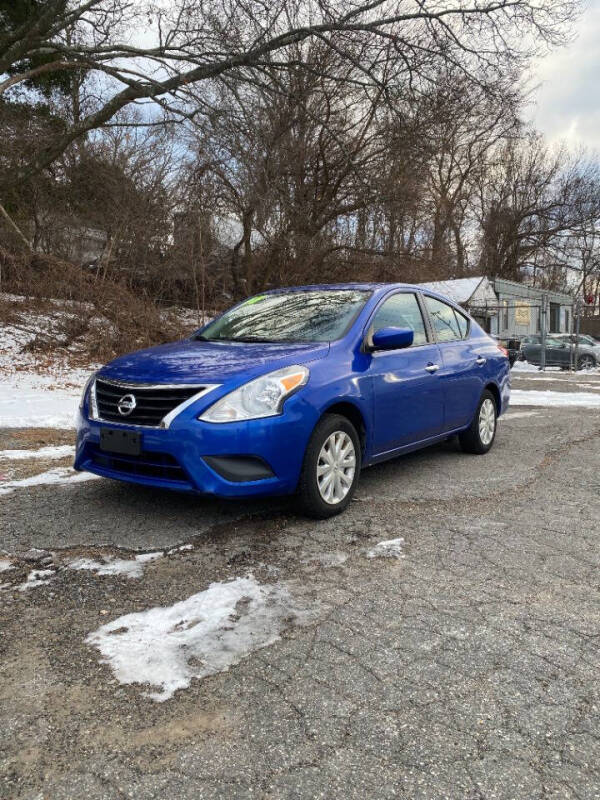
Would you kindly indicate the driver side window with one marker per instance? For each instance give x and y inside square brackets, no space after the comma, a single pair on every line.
[401,311]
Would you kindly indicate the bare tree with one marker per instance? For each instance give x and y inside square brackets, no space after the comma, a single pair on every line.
[193,42]
[534,203]
[465,123]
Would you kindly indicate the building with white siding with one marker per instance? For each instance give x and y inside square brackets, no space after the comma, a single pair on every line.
[508,309]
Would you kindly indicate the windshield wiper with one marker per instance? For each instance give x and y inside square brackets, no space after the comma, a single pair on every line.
[245,339]
[252,340]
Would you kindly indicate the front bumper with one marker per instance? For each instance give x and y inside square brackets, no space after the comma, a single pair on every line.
[176,457]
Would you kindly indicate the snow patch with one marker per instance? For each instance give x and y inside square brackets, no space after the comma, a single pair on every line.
[37,577]
[32,401]
[518,415]
[54,451]
[132,568]
[166,647]
[538,378]
[37,391]
[179,549]
[333,559]
[525,366]
[521,397]
[6,564]
[391,548]
[58,475]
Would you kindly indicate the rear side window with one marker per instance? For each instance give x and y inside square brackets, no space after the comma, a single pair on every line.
[443,320]
[401,311]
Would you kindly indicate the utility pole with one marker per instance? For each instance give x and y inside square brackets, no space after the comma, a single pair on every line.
[543,314]
[577,328]
[571,331]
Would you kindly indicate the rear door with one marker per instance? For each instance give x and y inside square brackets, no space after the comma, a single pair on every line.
[463,360]
[407,394]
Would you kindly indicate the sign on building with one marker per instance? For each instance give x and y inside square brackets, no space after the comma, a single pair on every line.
[522,313]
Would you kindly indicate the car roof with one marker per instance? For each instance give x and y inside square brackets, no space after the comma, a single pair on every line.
[377,288]
[340,286]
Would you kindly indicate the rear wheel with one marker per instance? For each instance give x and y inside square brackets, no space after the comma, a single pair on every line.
[480,435]
[331,467]
[586,362]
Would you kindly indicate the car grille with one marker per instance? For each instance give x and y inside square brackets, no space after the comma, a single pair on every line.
[152,403]
[147,465]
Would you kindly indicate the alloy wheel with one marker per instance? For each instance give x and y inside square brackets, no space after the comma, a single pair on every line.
[487,421]
[336,466]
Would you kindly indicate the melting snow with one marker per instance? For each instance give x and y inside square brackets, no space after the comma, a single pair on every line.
[132,568]
[52,476]
[54,451]
[519,397]
[207,633]
[391,548]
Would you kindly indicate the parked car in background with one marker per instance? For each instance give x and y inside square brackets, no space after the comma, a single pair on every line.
[583,339]
[530,339]
[561,351]
[295,390]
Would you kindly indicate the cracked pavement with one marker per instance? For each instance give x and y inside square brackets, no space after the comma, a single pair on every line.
[469,668]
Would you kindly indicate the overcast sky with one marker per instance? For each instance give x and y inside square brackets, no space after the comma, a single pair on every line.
[567,104]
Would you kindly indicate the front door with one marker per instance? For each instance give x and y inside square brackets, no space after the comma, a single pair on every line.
[407,396]
[558,353]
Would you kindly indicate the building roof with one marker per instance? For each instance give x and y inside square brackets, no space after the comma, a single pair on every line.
[515,289]
[460,290]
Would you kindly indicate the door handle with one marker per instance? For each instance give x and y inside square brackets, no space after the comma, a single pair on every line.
[481,361]
[432,367]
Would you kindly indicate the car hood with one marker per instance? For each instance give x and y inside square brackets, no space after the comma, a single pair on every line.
[194,361]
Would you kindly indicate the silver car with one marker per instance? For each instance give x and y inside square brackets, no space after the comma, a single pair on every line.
[560,351]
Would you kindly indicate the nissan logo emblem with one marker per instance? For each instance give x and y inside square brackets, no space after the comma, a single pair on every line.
[126,405]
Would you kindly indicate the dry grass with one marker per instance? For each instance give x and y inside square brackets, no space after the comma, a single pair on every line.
[33,438]
[104,318]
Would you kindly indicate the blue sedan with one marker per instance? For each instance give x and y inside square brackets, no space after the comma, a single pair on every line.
[295,391]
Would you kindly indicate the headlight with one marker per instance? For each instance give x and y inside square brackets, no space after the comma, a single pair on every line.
[89,386]
[262,397]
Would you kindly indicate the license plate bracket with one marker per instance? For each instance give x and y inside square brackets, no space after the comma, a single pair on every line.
[121,442]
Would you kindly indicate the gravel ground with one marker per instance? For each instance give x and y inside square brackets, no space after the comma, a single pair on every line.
[467,668]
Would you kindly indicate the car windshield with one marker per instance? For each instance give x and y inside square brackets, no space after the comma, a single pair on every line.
[296,316]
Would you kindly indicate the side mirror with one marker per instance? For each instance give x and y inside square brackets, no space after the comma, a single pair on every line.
[392,338]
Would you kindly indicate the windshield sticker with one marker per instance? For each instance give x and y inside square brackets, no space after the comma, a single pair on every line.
[256,299]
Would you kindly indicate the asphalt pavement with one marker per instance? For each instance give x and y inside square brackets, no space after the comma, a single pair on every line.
[468,667]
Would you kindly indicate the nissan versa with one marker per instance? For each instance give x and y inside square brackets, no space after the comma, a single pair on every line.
[295,391]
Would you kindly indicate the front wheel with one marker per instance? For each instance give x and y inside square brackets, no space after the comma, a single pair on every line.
[331,467]
[480,435]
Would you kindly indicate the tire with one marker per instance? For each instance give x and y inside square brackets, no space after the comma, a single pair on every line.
[475,438]
[334,437]
[586,362]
